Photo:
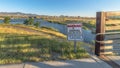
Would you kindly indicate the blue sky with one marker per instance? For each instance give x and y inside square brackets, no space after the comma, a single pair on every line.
[60,7]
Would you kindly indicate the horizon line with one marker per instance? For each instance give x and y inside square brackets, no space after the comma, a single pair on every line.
[43,14]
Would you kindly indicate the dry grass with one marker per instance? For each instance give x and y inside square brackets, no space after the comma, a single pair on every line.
[19,45]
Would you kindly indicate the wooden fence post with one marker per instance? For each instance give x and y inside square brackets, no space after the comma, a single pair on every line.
[100,28]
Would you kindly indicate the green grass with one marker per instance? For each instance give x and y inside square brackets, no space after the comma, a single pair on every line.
[18,48]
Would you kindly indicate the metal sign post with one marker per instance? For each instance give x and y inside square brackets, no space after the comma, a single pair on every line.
[74,33]
[75,48]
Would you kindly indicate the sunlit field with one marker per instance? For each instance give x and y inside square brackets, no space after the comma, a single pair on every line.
[19,43]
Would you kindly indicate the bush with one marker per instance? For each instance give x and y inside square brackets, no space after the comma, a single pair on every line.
[37,24]
[29,21]
[7,20]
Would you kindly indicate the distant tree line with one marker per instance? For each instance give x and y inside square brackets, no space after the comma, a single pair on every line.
[29,21]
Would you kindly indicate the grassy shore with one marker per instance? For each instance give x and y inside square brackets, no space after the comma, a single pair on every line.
[19,43]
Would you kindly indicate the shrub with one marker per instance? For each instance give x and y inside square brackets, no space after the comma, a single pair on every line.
[7,20]
[37,24]
[29,21]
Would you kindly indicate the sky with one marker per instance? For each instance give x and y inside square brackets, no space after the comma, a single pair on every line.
[60,7]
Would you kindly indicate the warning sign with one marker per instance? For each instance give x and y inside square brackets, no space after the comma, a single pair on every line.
[74,32]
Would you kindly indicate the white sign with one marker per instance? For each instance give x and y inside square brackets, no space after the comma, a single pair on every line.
[74,32]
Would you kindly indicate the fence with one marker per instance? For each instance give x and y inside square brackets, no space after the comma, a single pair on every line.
[107,33]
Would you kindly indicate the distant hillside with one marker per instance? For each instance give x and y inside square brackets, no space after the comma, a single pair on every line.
[16,13]
[46,17]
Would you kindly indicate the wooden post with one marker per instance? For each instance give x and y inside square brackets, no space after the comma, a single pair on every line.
[100,25]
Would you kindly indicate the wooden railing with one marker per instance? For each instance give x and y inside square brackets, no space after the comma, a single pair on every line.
[105,24]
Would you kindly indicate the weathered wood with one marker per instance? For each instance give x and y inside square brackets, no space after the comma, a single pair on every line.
[111,41]
[108,42]
[114,36]
[105,39]
[100,24]
[112,28]
[116,41]
[112,22]
[112,13]
[105,42]
[107,53]
[108,47]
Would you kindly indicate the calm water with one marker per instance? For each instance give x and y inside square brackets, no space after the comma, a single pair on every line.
[87,35]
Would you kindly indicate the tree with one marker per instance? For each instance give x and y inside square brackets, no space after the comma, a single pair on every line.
[26,22]
[29,21]
[37,24]
[7,20]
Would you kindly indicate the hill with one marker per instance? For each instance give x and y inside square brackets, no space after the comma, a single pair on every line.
[16,13]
